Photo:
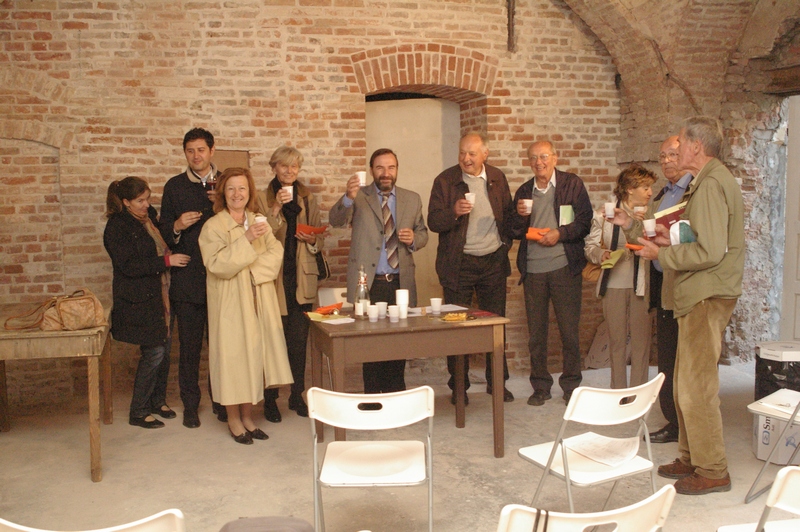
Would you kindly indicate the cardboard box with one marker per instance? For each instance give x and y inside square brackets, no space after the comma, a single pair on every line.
[766,431]
[779,351]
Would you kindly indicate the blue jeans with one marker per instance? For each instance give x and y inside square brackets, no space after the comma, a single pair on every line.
[150,384]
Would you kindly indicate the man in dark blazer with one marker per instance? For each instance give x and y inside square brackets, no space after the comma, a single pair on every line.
[472,257]
[389,264]
[185,206]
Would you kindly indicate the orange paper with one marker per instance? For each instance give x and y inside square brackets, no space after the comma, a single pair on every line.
[634,247]
[536,233]
[310,230]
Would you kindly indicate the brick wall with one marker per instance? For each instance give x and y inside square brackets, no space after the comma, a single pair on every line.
[107,89]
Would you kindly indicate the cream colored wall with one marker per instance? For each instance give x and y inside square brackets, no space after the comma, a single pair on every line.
[424,134]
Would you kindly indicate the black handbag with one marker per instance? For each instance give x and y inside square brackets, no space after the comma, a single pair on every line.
[322,263]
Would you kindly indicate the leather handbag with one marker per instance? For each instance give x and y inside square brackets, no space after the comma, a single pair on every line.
[591,272]
[79,310]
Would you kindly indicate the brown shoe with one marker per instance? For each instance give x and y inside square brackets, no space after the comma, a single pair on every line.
[694,484]
[676,469]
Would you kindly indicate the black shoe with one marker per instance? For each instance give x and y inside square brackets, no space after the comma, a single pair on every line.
[453,398]
[297,404]
[164,411]
[271,412]
[257,434]
[244,438]
[220,411]
[666,435]
[190,419]
[567,397]
[142,422]
[507,395]
[539,397]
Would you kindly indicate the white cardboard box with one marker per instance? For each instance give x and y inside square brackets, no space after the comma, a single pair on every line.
[766,431]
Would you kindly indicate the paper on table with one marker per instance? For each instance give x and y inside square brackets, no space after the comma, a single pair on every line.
[329,318]
[784,400]
[450,308]
[609,451]
[339,321]
[611,261]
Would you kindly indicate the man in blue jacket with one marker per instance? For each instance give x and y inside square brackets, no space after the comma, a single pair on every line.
[550,268]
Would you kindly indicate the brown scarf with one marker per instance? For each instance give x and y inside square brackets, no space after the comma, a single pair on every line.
[162,249]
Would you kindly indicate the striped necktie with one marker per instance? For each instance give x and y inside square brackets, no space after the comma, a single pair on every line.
[389,234]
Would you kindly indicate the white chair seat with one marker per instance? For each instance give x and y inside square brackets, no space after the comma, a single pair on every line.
[784,495]
[363,464]
[583,471]
[166,521]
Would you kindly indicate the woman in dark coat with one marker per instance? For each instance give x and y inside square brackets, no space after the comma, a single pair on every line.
[141,262]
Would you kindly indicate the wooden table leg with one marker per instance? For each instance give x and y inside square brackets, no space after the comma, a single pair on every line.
[5,422]
[460,391]
[498,386]
[106,383]
[337,364]
[93,370]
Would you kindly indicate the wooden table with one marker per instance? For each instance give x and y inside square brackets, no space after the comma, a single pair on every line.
[92,344]
[416,337]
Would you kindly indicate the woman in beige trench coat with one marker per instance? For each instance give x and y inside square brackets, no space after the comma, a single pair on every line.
[247,350]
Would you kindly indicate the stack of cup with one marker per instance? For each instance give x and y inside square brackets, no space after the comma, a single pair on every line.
[401,298]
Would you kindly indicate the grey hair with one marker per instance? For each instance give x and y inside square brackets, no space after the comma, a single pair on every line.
[707,131]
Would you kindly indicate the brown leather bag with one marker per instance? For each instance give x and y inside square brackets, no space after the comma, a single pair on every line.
[79,310]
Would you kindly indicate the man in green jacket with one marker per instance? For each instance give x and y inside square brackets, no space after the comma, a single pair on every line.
[708,283]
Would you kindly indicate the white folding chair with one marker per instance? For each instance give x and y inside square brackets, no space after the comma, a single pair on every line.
[373,463]
[331,295]
[784,495]
[588,459]
[166,521]
[648,515]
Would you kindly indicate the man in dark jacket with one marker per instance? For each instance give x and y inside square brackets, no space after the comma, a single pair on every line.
[472,257]
[185,206]
[550,267]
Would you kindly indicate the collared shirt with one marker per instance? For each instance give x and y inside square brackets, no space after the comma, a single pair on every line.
[482,175]
[673,193]
[551,183]
[192,175]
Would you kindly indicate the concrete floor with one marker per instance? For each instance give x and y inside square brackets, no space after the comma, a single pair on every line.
[45,483]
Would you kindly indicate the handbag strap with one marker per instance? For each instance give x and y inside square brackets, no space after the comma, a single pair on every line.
[23,320]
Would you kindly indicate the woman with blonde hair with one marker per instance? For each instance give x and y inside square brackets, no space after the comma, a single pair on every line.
[246,349]
[297,281]
[622,287]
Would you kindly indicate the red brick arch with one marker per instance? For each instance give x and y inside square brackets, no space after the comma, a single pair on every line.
[455,73]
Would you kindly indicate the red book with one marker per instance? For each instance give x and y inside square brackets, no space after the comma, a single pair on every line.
[669,216]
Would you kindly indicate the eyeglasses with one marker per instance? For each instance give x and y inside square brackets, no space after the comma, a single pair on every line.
[672,156]
[543,157]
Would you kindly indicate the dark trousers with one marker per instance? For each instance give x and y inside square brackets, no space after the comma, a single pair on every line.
[388,376]
[191,319]
[150,383]
[485,278]
[563,289]
[295,331]
[667,342]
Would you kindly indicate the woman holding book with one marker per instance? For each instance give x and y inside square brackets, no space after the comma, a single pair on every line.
[622,287]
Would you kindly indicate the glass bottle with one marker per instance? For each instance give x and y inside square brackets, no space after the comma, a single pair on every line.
[362,293]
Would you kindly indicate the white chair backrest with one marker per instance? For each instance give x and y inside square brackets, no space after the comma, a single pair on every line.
[785,492]
[646,516]
[370,411]
[603,406]
[166,521]
[331,295]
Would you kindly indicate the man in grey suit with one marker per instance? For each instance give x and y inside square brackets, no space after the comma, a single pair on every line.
[387,228]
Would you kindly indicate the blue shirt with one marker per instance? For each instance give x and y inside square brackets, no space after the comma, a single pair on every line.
[673,194]
[383,261]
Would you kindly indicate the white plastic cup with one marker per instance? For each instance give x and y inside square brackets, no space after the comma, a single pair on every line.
[609,207]
[260,219]
[470,197]
[362,178]
[640,209]
[381,309]
[290,190]
[650,227]
[394,313]
[401,297]
[372,312]
[403,311]
[528,205]
[436,305]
